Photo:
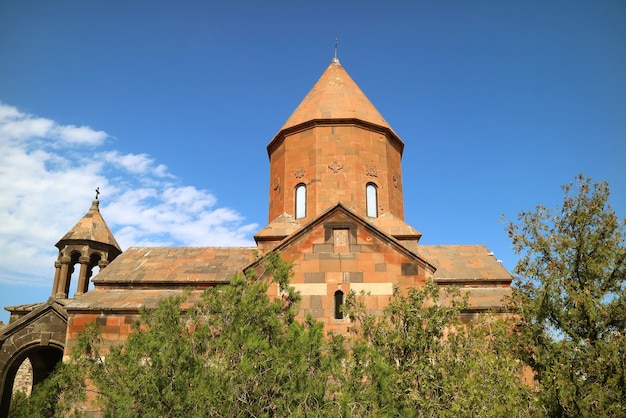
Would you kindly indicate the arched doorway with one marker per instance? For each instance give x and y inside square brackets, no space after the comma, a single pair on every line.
[38,333]
[43,361]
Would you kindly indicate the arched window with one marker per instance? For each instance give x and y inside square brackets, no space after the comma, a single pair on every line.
[300,201]
[338,304]
[73,276]
[371,196]
[94,268]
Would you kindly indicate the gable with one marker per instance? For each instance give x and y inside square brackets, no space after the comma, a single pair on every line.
[340,243]
[43,326]
[34,318]
[341,252]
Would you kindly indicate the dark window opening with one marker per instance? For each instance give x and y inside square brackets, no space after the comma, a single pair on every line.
[338,304]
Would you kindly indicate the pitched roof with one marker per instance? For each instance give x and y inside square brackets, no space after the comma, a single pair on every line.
[26,307]
[128,300]
[284,225]
[184,266]
[464,263]
[335,96]
[373,228]
[31,313]
[90,227]
[396,227]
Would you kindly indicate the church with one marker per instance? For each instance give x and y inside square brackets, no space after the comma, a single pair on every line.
[336,211]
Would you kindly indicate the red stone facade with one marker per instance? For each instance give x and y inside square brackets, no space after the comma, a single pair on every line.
[335,162]
[339,252]
[335,143]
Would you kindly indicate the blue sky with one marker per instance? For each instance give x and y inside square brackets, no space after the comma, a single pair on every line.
[168,108]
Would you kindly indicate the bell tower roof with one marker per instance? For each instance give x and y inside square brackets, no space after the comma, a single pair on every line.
[90,227]
[335,96]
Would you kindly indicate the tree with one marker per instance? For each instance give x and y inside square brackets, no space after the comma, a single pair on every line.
[235,352]
[56,396]
[569,294]
[419,359]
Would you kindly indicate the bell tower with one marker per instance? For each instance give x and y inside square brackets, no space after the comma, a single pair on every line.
[88,244]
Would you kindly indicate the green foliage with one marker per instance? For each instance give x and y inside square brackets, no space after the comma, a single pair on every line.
[570,297]
[19,404]
[54,397]
[236,352]
[418,359]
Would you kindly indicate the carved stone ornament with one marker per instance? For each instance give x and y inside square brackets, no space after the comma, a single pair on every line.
[299,173]
[371,171]
[335,166]
[276,184]
[341,238]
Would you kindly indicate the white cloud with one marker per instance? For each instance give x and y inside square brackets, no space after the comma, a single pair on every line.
[80,135]
[23,129]
[135,163]
[18,126]
[47,178]
[8,112]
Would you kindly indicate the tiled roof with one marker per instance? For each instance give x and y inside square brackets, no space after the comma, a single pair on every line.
[90,227]
[280,227]
[28,307]
[335,96]
[126,299]
[32,312]
[175,265]
[396,227]
[464,263]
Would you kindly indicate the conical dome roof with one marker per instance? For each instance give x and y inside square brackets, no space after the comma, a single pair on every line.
[90,227]
[336,96]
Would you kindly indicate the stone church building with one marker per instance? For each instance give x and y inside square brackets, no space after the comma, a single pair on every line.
[336,211]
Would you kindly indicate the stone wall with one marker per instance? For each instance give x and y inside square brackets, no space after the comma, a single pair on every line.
[24,378]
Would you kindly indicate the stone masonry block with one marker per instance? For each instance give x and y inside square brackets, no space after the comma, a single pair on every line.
[317,313]
[409,269]
[355,277]
[314,277]
[322,248]
[316,302]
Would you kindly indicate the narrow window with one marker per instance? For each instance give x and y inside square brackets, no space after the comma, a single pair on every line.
[94,268]
[371,196]
[338,304]
[300,201]
[73,276]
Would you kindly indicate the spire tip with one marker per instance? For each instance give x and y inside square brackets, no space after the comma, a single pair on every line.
[335,59]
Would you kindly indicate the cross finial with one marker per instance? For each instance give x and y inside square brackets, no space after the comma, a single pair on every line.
[335,59]
[97,192]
